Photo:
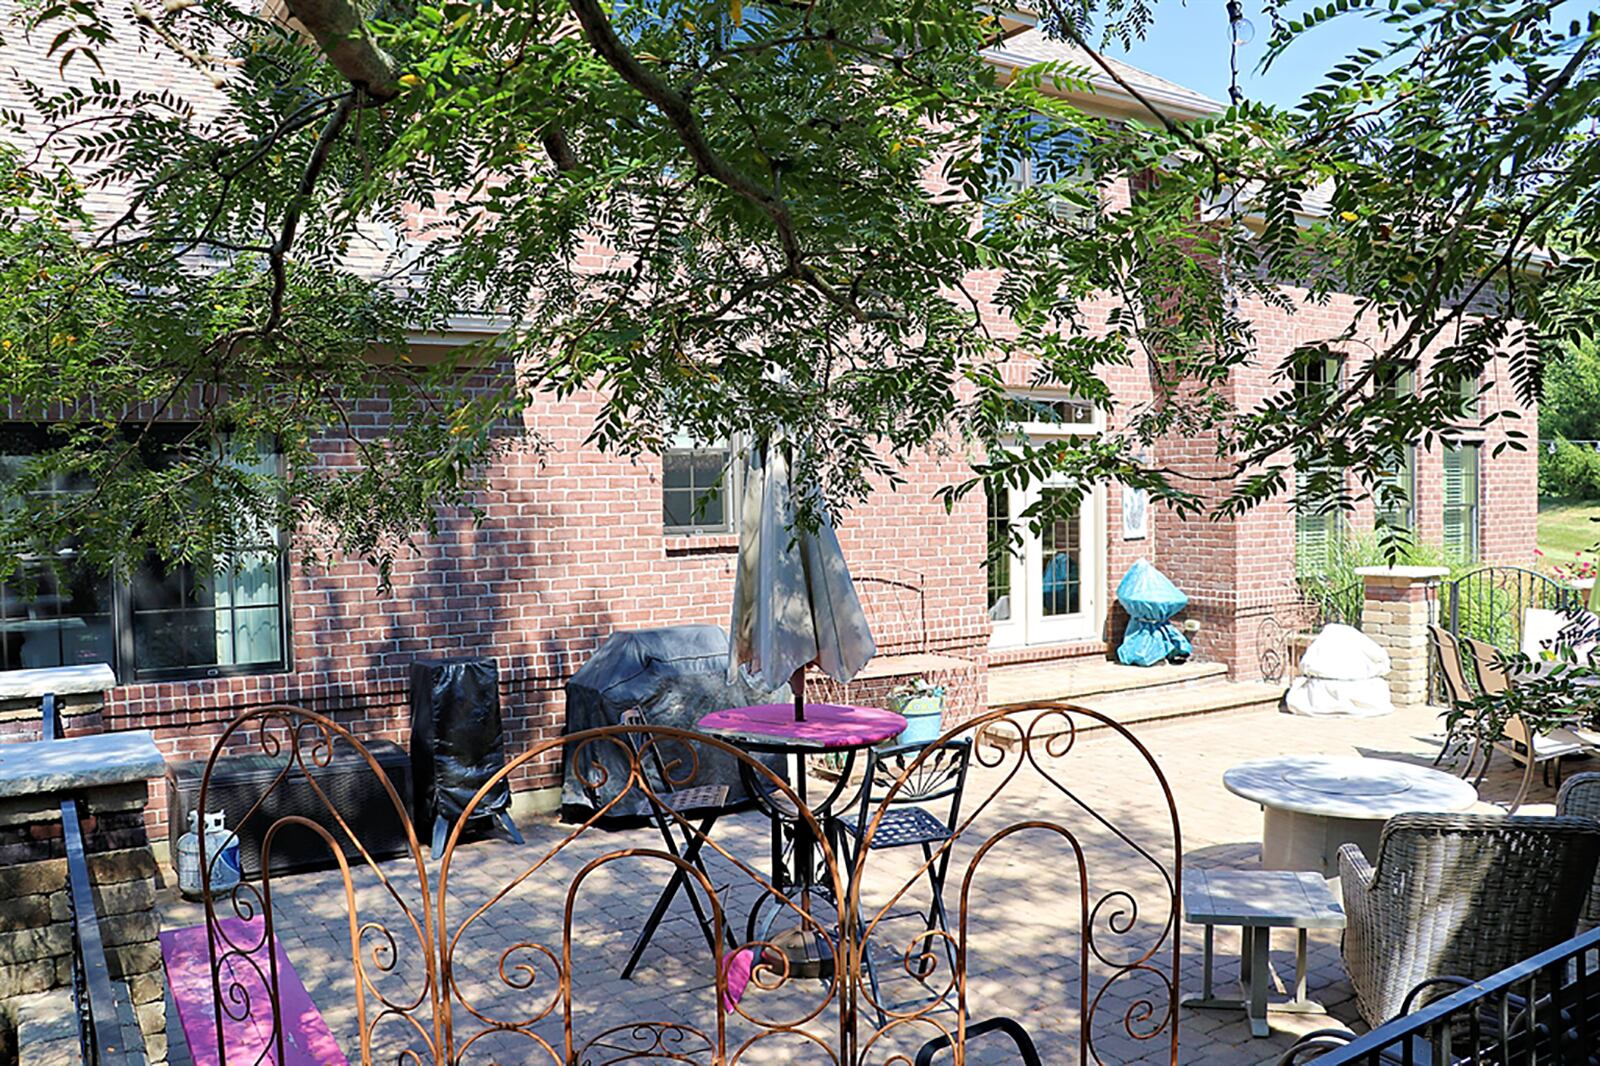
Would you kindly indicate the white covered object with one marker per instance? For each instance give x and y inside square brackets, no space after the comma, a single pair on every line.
[1326,697]
[1542,629]
[1344,653]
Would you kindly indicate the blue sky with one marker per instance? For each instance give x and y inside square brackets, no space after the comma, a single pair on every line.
[1189,44]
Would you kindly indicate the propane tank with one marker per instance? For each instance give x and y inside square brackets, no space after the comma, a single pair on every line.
[222,851]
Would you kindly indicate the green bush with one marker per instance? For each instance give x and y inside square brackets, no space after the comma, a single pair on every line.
[1569,471]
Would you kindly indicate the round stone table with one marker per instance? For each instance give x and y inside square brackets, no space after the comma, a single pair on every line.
[1314,803]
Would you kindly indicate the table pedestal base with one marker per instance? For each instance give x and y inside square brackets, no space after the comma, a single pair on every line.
[1254,979]
[1294,841]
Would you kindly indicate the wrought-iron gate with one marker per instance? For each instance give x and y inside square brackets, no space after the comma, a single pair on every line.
[1066,883]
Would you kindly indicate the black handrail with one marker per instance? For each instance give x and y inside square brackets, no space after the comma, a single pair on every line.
[1538,1011]
[99,1029]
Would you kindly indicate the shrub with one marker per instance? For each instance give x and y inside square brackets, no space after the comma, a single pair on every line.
[1569,470]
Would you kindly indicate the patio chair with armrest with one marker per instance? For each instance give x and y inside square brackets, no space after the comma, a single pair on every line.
[902,781]
[1004,1026]
[1465,735]
[1459,894]
[1520,743]
[1580,798]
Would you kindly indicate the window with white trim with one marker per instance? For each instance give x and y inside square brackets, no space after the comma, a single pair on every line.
[1316,525]
[1462,463]
[697,491]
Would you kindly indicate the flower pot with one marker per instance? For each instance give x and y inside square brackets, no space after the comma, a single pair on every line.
[924,715]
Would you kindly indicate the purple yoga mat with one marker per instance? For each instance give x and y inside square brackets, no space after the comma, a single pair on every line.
[306,1038]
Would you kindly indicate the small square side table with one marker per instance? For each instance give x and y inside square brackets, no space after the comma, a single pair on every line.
[1258,901]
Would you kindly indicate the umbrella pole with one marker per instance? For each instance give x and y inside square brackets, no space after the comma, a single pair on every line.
[797,685]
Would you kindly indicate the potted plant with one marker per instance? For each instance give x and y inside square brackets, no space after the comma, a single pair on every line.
[922,703]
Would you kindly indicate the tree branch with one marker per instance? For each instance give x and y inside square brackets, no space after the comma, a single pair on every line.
[340,32]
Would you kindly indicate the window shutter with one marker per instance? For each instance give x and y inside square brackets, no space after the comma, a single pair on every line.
[1461,500]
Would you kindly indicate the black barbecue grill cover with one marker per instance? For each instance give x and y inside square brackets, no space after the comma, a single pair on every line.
[456,740]
[675,676]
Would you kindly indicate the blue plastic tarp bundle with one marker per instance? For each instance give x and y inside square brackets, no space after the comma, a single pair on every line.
[1150,600]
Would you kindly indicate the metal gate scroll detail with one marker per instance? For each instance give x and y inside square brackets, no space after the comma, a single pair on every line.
[1060,911]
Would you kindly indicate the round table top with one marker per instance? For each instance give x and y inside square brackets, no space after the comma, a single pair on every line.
[826,726]
[1348,786]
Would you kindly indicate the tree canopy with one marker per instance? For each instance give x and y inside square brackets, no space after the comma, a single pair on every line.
[726,217]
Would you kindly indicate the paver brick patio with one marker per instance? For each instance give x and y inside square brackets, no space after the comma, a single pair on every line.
[1024,929]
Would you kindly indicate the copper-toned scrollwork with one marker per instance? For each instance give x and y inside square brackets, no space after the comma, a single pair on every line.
[1058,906]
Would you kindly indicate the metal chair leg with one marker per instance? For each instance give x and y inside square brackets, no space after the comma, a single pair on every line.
[690,854]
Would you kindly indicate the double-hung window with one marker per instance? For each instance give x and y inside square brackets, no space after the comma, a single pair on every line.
[1398,506]
[1461,481]
[697,486]
[209,618]
[1316,524]
[1055,160]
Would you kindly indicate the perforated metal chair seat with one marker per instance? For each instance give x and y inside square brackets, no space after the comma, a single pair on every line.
[699,799]
[901,826]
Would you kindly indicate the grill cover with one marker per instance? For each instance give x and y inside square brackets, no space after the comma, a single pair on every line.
[675,676]
[1151,600]
[457,743]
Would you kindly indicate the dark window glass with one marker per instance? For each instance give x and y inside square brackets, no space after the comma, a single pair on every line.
[694,483]
[1000,554]
[193,620]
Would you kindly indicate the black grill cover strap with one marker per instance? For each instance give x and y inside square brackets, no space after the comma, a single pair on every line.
[457,743]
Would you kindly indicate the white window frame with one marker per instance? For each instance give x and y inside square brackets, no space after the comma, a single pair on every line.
[685,444]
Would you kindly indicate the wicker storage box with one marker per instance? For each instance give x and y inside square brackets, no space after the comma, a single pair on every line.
[347,780]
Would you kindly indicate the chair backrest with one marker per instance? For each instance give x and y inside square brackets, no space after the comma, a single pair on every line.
[1449,652]
[1493,678]
[931,772]
[1580,798]
[1479,892]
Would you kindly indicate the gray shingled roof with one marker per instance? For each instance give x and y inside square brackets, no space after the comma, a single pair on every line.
[1032,46]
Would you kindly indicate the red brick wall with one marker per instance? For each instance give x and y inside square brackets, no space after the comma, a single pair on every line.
[571,549]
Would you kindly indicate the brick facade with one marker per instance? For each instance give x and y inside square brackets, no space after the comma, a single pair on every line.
[571,548]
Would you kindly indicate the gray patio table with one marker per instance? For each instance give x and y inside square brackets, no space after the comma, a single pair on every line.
[1259,901]
[1315,803]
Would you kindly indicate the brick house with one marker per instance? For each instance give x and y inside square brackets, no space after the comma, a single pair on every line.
[577,544]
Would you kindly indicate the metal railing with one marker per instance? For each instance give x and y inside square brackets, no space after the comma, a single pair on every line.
[99,1025]
[1543,1010]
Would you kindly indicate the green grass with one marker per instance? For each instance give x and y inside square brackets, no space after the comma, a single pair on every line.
[1565,528]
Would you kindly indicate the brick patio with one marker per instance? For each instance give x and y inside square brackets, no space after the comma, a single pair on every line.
[1024,931]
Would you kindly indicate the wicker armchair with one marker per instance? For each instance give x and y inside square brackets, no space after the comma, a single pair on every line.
[1459,894]
[1580,798]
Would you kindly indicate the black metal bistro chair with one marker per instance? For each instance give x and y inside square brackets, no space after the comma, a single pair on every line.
[673,812]
[932,774]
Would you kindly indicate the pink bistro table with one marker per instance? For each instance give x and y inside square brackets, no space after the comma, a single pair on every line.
[771,727]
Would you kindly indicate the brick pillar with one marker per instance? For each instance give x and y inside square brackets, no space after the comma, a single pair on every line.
[1395,613]
[108,775]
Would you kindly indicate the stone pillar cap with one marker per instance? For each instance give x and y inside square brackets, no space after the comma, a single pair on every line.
[79,762]
[1403,573]
[62,680]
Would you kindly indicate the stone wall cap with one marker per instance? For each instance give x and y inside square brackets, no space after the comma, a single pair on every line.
[62,680]
[79,762]
[1405,573]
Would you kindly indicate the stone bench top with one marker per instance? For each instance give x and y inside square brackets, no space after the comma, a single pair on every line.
[62,680]
[1275,899]
[915,663]
[79,762]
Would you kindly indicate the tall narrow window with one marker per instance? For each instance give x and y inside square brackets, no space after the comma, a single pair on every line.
[1000,553]
[1316,524]
[1401,510]
[695,487]
[1461,462]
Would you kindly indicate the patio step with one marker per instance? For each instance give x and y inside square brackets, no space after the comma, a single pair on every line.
[1086,677]
[1127,695]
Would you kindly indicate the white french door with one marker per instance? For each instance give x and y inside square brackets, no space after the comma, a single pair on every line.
[1048,586]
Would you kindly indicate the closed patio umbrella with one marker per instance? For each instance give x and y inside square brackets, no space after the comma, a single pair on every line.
[793,601]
